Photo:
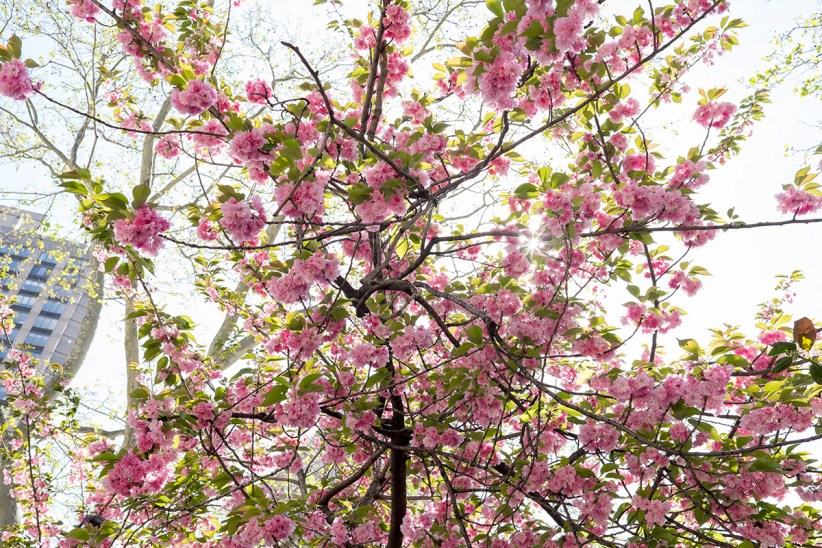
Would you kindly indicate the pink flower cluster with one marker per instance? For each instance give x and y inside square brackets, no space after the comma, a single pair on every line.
[594,436]
[366,39]
[168,146]
[624,109]
[795,201]
[247,145]
[132,476]
[15,81]
[661,320]
[243,220]
[301,412]
[143,231]
[307,199]
[655,510]
[295,285]
[367,355]
[713,114]
[499,81]
[765,420]
[646,200]
[568,29]
[689,174]
[258,91]
[397,24]
[84,10]
[195,99]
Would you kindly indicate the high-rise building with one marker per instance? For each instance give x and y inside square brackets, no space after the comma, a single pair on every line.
[48,282]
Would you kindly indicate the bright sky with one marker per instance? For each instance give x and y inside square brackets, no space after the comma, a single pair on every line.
[743,263]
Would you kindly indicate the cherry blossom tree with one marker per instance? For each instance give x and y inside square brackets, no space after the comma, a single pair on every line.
[417,267]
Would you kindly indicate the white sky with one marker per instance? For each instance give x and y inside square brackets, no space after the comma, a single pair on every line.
[743,263]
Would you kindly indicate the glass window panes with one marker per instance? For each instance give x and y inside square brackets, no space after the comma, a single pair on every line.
[47,260]
[40,272]
[26,300]
[45,323]
[53,307]
[38,340]
[32,287]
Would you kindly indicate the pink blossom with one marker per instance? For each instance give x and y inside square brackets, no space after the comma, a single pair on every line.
[205,230]
[258,91]
[307,199]
[247,145]
[499,81]
[279,527]
[85,10]
[567,30]
[595,436]
[302,411]
[196,98]
[795,201]
[243,220]
[624,109]
[397,24]
[713,114]
[15,81]
[638,162]
[168,146]
[143,231]
[210,136]
[366,39]
[655,510]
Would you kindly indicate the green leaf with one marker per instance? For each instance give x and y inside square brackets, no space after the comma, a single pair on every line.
[359,193]
[782,364]
[495,7]
[526,191]
[816,372]
[80,173]
[141,193]
[291,149]
[689,345]
[139,394]
[376,378]
[152,352]
[75,187]
[78,534]
[462,350]
[534,30]
[559,179]
[275,395]
[15,46]
[114,201]
[308,385]
[110,263]
[474,334]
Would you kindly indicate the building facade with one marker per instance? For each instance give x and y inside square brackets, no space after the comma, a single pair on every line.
[47,281]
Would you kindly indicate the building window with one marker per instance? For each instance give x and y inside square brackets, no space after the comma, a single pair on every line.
[45,323]
[37,340]
[47,260]
[20,317]
[26,301]
[32,287]
[54,308]
[40,273]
